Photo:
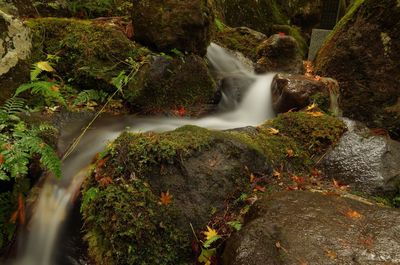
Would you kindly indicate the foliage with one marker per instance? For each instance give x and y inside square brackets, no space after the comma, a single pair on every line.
[19,144]
[86,96]
[7,228]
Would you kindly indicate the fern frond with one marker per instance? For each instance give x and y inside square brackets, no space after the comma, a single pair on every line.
[49,90]
[13,106]
[35,72]
[90,95]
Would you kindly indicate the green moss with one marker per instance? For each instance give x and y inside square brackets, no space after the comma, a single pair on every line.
[313,134]
[124,221]
[90,54]
[129,226]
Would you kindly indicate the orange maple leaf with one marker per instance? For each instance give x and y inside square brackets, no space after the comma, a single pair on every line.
[353,214]
[289,153]
[105,181]
[165,198]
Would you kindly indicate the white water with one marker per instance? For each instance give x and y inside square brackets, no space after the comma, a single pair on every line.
[56,196]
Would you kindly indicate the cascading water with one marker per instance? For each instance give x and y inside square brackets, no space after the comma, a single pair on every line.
[57,195]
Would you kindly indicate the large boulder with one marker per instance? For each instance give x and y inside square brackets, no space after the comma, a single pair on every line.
[167,83]
[197,172]
[15,48]
[279,53]
[297,91]
[313,228]
[362,55]
[174,24]
[366,161]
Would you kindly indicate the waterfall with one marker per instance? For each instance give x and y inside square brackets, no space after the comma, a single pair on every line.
[57,196]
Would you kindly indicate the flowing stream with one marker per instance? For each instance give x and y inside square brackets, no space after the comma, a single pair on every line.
[56,197]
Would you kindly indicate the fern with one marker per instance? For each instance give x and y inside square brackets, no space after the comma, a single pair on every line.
[49,90]
[19,144]
[90,95]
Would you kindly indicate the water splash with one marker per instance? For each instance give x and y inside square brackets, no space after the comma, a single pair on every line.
[57,196]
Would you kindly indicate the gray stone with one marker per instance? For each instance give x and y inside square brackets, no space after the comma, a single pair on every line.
[292,228]
[318,37]
[367,162]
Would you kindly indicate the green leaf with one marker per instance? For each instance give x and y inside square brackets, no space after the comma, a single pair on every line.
[236,225]
[207,254]
[208,242]
[89,196]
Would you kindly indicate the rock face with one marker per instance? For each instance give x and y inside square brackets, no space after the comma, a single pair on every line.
[310,228]
[368,71]
[295,91]
[174,24]
[279,53]
[15,48]
[368,163]
[171,83]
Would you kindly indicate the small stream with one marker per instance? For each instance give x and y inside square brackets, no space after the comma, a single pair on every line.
[39,246]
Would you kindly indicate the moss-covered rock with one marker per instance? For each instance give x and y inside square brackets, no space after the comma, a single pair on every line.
[174,24]
[367,71]
[90,54]
[167,83]
[202,170]
[279,53]
[241,39]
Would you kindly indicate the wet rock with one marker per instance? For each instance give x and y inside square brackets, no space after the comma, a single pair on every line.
[174,24]
[242,39]
[295,91]
[15,48]
[368,71]
[279,53]
[313,228]
[364,160]
[170,83]
[231,90]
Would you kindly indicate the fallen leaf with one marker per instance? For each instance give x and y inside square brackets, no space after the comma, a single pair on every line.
[317,78]
[105,181]
[276,174]
[311,107]
[259,188]
[337,185]
[315,113]
[273,131]
[1,159]
[181,111]
[281,34]
[129,30]
[298,180]
[353,214]
[331,254]
[19,214]
[315,172]
[252,177]
[45,66]
[289,153]
[210,233]
[165,198]
[55,88]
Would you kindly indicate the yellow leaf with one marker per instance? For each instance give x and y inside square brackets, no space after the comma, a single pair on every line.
[353,214]
[252,177]
[45,66]
[165,198]
[273,131]
[315,113]
[289,153]
[210,233]
[310,107]
[276,173]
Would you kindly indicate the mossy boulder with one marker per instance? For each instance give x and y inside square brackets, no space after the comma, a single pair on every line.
[201,170]
[168,83]
[368,71]
[91,54]
[241,39]
[279,53]
[174,24]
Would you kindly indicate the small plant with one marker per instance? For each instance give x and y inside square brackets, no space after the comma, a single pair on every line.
[19,143]
[50,91]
